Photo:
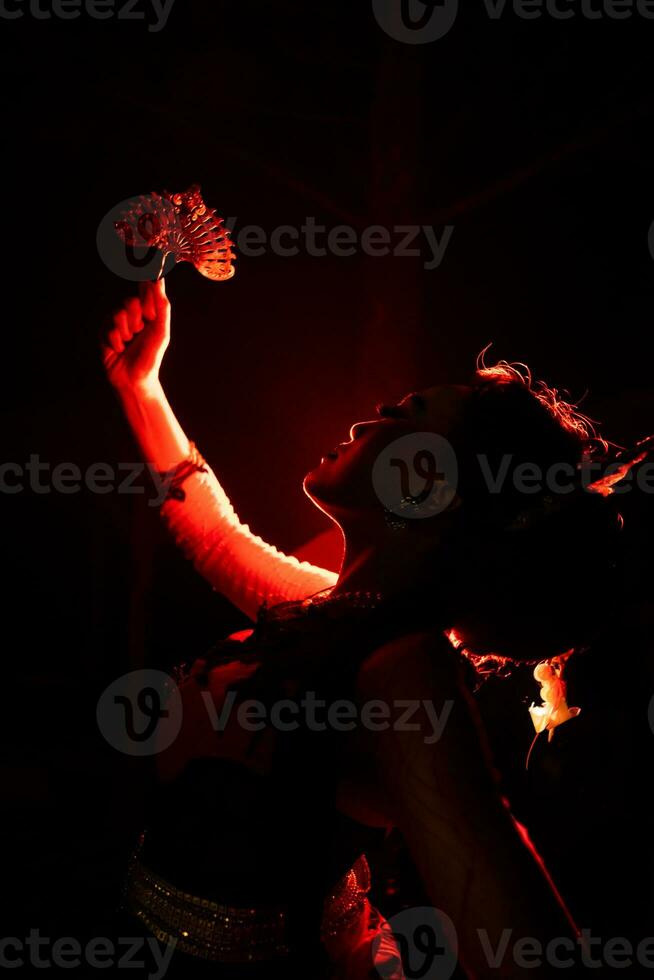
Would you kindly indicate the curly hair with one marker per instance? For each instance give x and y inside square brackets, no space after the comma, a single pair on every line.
[566,414]
[531,563]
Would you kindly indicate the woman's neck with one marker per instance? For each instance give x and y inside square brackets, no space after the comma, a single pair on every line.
[388,566]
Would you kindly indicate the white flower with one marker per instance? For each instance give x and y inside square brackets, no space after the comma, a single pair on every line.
[554,710]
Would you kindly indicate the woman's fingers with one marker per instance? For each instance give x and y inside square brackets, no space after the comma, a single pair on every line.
[162,308]
[134,317]
[147,301]
[114,339]
[121,324]
[108,354]
[150,309]
[160,298]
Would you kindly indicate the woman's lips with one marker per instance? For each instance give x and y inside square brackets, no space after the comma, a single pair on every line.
[335,451]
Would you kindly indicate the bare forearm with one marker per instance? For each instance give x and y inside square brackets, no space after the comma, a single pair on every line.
[132,356]
[161,439]
[236,562]
[475,861]
[507,911]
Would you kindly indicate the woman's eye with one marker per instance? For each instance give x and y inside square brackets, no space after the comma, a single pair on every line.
[389,411]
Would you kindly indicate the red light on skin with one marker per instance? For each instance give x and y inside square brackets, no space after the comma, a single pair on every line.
[605,486]
[529,844]
[454,639]
[484,663]
[325,550]
[241,636]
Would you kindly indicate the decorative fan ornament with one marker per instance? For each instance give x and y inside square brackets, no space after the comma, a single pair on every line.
[182,226]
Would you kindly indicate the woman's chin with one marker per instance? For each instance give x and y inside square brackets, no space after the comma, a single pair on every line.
[321,486]
[335,486]
[313,482]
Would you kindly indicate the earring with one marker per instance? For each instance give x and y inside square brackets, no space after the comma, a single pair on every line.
[393,521]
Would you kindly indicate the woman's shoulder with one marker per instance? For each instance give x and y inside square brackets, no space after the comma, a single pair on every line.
[407,664]
[434,728]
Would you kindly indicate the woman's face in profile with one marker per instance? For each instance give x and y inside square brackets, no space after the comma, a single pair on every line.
[342,483]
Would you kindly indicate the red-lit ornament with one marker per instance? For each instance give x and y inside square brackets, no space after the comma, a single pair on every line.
[180,225]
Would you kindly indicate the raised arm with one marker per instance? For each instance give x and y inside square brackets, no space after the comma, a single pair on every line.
[237,563]
[475,861]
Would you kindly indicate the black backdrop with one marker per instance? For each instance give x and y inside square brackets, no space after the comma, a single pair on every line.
[531,138]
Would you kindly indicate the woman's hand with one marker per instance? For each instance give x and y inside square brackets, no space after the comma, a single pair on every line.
[134,346]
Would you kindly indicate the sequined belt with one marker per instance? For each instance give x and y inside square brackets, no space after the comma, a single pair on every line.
[201,927]
[209,930]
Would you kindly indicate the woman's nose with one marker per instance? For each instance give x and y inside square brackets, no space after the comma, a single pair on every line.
[358,428]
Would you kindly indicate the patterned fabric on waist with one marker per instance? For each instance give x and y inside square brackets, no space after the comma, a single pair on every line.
[221,933]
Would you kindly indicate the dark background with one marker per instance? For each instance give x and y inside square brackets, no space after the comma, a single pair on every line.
[531,137]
